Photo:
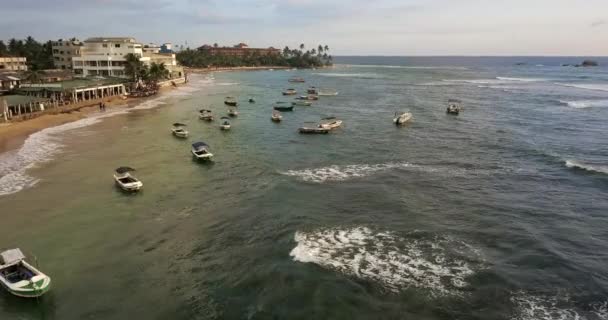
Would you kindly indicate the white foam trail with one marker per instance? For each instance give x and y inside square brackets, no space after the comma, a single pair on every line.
[583,104]
[533,307]
[521,79]
[496,81]
[405,67]
[43,145]
[591,86]
[394,262]
[342,173]
[587,167]
[227,84]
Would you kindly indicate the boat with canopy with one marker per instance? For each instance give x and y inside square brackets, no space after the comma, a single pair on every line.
[230,101]
[200,151]
[205,114]
[179,131]
[225,123]
[126,181]
[19,277]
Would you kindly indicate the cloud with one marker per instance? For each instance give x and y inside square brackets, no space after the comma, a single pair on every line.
[599,23]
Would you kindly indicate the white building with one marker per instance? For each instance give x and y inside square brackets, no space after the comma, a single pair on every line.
[106,57]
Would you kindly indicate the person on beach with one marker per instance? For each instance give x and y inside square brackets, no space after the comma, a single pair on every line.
[101,106]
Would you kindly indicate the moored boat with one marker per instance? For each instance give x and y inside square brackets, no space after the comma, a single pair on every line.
[313,130]
[20,278]
[225,123]
[301,103]
[251,100]
[327,92]
[283,108]
[205,114]
[179,131]
[276,116]
[230,101]
[200,151]
[309,97]
[126,181]
[296,79]
[454,106]
[233,112]
[290,92]
[402,118]
[312,90]
[330,123]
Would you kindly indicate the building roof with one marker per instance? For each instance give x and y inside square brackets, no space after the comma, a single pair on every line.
[71,84]
[15,99]
[110,39]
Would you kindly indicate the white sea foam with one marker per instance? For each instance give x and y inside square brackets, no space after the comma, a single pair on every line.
[588,167]
[591,86]
[43,145]
[521,79]
[496,81]
[583,104]
[438,265]
[348,75]
[346,172]
[406,67]
[227,84]
[534,307]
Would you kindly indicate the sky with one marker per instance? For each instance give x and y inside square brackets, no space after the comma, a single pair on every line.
[355,27]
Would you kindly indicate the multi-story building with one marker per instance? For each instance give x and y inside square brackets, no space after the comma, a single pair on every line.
[64,51]
[106,57]
[13,63]
[239,50]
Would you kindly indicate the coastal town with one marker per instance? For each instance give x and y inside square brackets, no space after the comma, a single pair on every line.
[87,73]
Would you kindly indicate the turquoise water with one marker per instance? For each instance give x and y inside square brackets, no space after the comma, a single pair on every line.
[498,213]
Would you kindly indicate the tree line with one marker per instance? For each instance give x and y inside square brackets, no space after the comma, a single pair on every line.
[39,55]
[140,73]
[296,58]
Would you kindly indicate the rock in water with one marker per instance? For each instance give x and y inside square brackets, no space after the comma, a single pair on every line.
[589,63]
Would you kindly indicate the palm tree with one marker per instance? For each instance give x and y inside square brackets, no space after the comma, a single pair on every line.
[320,50]
[302,46]
[158,71]
[313,51]
[133,67]
[326,48]
[286,51]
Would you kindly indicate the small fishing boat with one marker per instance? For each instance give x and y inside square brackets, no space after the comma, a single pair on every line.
[312,90]
[251,100]
[205,114]
[402,118]
[330,123]
[290,92]
[297,80]
[276,116]
[200,151]
[309,97]
[327,92]
[313,130]
[225,123]
[20,278]
[283,108]
[126,181]
[231,101]
[303,103]
[233,112]
[179,131]
[454,106]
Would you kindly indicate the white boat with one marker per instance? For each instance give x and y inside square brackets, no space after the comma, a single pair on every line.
[454,106]
[297,79]
[125,180]
[231,101]
[179,131]
[312,90]
[330,123]
[200,151]
[304,103]
[309,97]
[290,92]
[205,114]
[233,112]
[225,123]
[327,92]
[402,118]
[19,277]
[276,116]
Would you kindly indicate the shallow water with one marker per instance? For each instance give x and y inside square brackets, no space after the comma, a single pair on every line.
[498,213]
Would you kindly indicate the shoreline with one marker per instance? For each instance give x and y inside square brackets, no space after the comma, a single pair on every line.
[222,69]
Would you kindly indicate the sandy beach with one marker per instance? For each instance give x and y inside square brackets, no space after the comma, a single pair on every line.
[13,134]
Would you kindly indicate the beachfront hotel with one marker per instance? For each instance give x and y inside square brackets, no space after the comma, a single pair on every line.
[64,51]
[105,56]
[13,63]
[239,50]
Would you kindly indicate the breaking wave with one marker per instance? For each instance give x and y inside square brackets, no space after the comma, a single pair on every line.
[521,79]
[43,145]
[349,75]
[583,104]
[596,86]
[532,307]
[573,164]
[439,265]
[496,81]
[406,67]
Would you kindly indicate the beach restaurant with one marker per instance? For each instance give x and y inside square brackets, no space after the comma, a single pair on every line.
[76,90]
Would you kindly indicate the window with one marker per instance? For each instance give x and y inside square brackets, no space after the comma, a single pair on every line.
[68,52]
[104,45]
[117,45]
[61,52]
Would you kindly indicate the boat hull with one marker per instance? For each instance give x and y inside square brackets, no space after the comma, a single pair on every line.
[305,130]
[206,156]
[37,286]
[284,108]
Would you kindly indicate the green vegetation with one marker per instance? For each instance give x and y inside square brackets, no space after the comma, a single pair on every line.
[39,55]
[150,76]
[296,58]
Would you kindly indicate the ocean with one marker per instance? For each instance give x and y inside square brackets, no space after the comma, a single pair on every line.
[500,212]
